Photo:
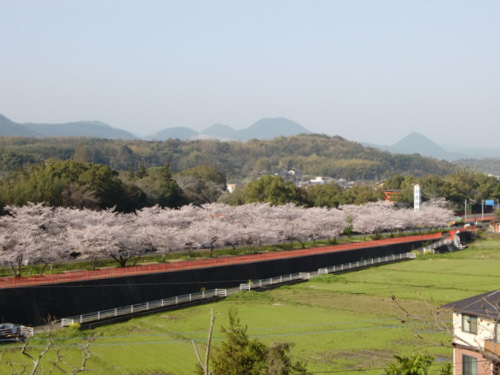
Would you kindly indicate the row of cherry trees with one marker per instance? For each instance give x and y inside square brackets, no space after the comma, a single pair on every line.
[36,234]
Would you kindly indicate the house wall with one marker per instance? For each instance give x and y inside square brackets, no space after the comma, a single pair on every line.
[485,331]
[484,367]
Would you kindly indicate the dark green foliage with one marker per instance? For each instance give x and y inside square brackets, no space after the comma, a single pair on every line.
[199,191]
[273,190]
[365,193]
[70,184]
[328,195]
[415,365]
[235,198]
[201,184]
[205,173]
[394,182]
[160,188]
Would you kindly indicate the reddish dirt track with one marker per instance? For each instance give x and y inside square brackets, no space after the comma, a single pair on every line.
[75,276]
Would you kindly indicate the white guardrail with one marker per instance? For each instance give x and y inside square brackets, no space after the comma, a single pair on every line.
[214,293]
[433,246]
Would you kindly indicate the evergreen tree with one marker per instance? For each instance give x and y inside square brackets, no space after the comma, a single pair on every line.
[240,355]
[273,190]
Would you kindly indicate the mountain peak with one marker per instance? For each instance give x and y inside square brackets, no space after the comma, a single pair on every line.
[416,142]
[268,128]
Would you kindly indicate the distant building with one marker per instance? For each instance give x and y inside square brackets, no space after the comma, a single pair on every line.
[476,334]
[321,180]
[317,180]
[495,225]
[231,187]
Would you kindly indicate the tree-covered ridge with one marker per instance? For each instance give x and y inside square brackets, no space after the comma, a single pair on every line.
[77,184]
[312,154]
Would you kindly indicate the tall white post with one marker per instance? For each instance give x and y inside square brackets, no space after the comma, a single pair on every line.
[417,197]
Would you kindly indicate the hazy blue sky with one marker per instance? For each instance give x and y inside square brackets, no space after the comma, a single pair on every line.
[368,70]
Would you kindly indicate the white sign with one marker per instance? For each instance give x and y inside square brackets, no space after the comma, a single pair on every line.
[417,197]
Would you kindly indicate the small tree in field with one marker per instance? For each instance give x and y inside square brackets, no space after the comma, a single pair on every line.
[241,355]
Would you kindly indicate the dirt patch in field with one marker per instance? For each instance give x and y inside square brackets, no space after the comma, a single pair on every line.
[178,315]
[356,359]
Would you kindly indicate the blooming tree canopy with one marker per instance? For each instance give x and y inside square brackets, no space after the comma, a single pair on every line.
[38,234]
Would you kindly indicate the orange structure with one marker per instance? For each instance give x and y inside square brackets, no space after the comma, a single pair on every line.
[391,195]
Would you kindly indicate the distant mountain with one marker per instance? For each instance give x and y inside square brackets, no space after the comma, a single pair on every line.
[415,143]
[266,128]
[269,128]
[91,129]
[9,128]
[220,131]
[179,132]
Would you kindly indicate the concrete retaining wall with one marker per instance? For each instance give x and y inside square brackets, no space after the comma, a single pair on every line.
[33,305]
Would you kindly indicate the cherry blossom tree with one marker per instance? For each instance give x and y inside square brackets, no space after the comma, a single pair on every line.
[37,234]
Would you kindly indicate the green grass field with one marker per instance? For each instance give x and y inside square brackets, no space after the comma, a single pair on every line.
[353,322]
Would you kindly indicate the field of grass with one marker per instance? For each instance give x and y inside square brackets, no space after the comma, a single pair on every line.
[353,322]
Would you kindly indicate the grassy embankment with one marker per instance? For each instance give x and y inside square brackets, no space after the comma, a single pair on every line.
[338,323]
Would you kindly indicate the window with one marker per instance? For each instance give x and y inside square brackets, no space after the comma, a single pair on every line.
[469,365]
[469,323]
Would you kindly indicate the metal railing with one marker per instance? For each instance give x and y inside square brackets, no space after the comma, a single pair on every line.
[214,293]
[434,246]
[140,307]
[326,270]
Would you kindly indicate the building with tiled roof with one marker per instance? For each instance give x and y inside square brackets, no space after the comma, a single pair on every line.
[476,334]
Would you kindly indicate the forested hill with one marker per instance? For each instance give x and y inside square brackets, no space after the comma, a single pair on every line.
[311,154]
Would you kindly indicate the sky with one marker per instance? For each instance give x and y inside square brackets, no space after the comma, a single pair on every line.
[370,71]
